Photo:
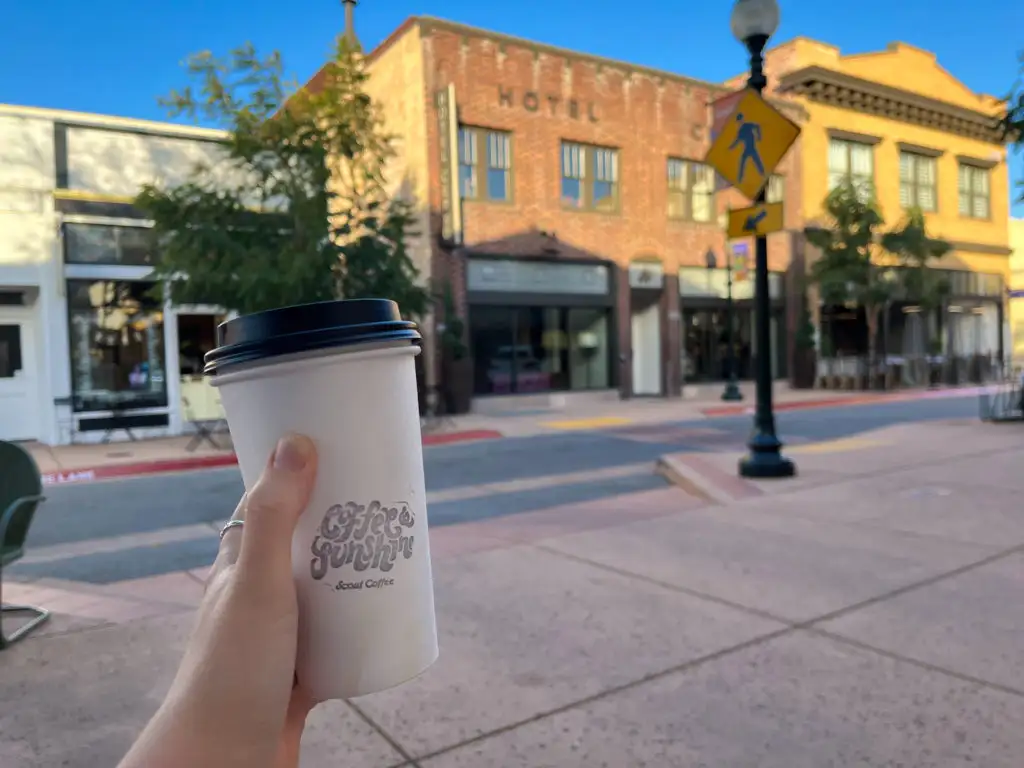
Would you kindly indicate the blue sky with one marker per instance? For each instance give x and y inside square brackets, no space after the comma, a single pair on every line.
[116,56]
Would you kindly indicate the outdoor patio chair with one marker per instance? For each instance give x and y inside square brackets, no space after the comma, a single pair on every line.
[21,489]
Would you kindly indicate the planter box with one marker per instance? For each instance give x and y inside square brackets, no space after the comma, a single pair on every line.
[457,385]
[805,366]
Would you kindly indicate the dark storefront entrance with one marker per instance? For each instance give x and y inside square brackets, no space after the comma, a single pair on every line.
[705,335]
[539,326]
[706,339]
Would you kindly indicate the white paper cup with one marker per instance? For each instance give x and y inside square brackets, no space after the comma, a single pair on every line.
[342,372]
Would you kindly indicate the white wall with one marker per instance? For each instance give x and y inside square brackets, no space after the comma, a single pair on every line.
[29,251]
[116,163]
[26,206]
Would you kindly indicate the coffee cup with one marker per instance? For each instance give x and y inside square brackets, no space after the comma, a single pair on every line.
[342,373]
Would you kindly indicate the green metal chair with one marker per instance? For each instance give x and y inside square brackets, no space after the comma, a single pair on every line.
[21,488]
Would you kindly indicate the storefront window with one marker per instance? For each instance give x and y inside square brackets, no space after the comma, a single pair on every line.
[518,350]
[117,345]
[588,348]
[104,244]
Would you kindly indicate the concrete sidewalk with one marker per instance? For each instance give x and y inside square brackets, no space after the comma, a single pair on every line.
[860,615]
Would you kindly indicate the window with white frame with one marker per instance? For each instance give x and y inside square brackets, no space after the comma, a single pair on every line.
[691,190]
[918,182]
[851,161]
[975,202]
[485,165]
[590,177]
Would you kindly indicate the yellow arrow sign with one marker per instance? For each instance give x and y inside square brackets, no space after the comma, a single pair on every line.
[756,220]
[751,144]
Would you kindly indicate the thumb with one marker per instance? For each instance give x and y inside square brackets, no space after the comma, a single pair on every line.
[274,505]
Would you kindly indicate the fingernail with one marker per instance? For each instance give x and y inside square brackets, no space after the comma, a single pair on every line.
[291,453]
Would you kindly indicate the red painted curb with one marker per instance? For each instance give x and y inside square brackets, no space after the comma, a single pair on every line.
[732,410]
[891,397]
[446,438]
[112,471]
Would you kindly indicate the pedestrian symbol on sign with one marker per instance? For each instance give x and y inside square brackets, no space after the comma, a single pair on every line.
[749,135]
[751,143]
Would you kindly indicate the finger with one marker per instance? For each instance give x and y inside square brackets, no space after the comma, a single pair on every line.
[231,541]
[230,545]
[273,507]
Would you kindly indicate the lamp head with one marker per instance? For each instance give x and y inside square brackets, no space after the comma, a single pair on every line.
[752,18]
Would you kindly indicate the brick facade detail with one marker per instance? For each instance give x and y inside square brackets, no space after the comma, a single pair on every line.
[543,96]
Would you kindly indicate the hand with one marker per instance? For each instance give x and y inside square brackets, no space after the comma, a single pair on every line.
[235,700]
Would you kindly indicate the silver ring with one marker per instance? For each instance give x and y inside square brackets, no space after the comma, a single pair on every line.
[231,524]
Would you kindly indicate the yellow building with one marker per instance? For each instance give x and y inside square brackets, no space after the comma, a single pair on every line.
[899,122]
[1017,289]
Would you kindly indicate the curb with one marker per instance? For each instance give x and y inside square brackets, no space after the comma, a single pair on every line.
[692,473]
[832,402]
[115,471]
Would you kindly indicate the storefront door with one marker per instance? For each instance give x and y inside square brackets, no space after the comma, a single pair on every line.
[197,335]
[646,337]
[706,344]
[19,403]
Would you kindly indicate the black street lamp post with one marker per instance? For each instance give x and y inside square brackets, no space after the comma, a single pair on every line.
[753,22]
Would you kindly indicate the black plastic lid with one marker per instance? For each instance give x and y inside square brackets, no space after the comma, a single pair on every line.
[307,327]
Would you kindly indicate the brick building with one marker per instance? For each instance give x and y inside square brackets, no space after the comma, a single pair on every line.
[563,201]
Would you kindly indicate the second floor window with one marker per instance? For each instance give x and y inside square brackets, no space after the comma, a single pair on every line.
[590,177]
[917,182]
[974,192]
[691,190]
[485,165]
[776,189]
[850,161]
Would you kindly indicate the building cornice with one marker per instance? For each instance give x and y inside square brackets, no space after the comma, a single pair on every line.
[429,24]
[114,124]
[836,89]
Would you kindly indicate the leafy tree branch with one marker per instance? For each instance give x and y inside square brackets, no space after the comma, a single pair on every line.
[294,209]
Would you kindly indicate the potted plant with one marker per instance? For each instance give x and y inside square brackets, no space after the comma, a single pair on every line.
[805,362]
[456,365]
[934,363]
[830,379]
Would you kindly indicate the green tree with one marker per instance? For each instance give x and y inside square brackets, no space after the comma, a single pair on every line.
[915,250]
[294,208]
[847,270]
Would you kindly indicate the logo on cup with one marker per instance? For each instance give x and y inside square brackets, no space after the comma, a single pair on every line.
[365,536]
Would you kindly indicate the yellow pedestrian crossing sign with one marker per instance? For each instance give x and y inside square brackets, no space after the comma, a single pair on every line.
[761,219]
[751,144]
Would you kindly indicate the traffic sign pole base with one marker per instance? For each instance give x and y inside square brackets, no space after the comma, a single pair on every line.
[765,460]
[731,393]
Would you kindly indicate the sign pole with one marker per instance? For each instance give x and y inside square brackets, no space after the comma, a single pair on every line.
[731,393]
[765,458]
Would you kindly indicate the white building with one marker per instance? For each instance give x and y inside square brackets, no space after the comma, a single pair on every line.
[84,347]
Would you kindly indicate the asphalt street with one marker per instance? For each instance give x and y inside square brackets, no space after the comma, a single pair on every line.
[94,515]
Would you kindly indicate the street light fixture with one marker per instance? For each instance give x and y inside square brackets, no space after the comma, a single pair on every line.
[731,393]
[753,22]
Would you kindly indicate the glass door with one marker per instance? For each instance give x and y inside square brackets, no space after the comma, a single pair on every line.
[704,344]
